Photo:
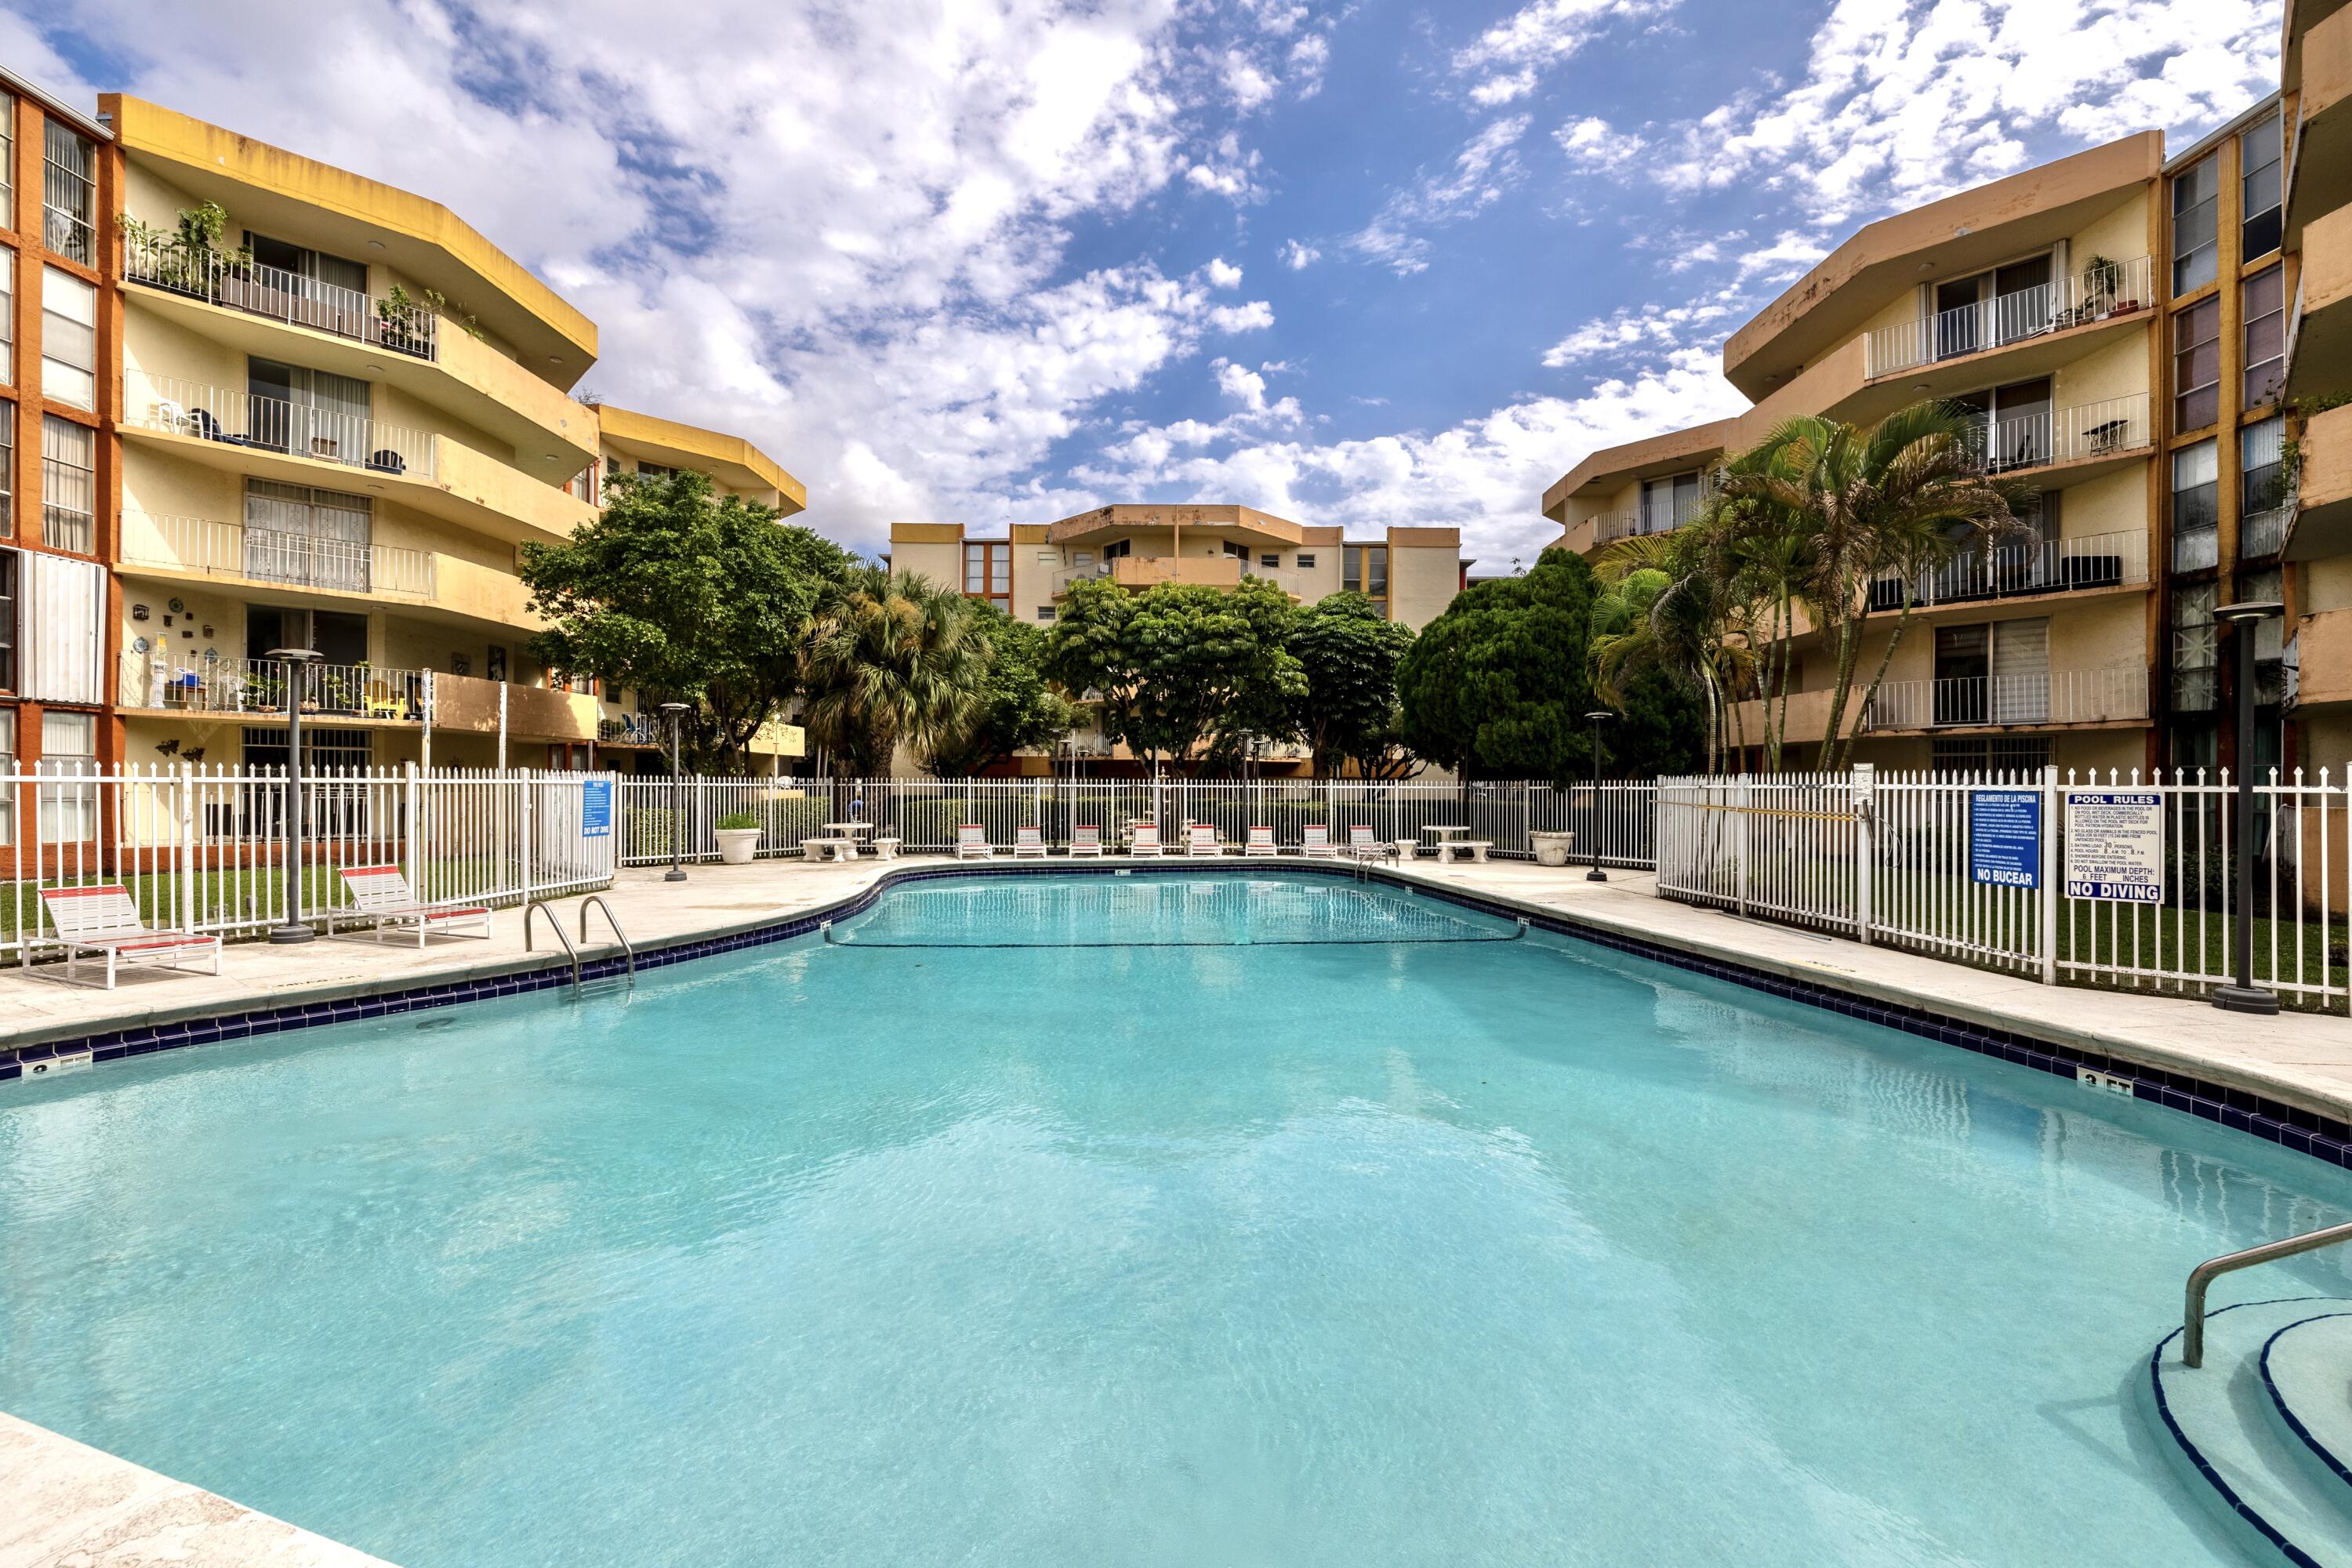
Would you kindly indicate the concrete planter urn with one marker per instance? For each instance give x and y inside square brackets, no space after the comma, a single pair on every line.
[1552,848]
[736,845]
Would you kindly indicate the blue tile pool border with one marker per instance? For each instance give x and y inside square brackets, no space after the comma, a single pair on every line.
[2325,1138]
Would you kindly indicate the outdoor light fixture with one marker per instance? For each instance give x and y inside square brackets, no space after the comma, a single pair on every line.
[2245,996]
[297,663]
[1597,874]
[676,712]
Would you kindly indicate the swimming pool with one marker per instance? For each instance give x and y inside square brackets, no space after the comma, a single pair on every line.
[1481,1246]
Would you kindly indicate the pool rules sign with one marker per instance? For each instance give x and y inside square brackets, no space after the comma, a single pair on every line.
[2115,846]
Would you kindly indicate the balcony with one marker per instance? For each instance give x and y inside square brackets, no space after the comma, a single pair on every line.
[2048,698]
[211,277]
[1147,570]
[201,547]
[2318,661]
[2089,433]
[2323,518]
[2319,341]
[2262,533]
[2023,568]
[246,419]
[2116,292]
[2319,178]
[257,687]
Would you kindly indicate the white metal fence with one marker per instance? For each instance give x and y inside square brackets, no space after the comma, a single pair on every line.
[217,278]
[2104,290]
[209,849]
[239,416]
[1887,857]
[923,814]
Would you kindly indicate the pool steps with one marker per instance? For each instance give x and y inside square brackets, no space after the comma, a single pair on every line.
[2263,1431]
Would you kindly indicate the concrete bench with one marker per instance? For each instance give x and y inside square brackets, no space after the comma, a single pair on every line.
[833,849]
[885,849]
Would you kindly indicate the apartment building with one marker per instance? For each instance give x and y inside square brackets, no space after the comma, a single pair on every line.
[58,183]
[1412,573]
[342,413]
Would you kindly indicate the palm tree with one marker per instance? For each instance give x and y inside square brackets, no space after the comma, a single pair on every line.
[890,658]
[1694,630]
[1831,507]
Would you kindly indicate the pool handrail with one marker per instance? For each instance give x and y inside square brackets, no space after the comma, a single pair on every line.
[2192,1317]
[596,901]
[540,906]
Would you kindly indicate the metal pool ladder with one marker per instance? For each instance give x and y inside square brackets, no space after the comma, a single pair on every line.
[540,906]
[2192,1317]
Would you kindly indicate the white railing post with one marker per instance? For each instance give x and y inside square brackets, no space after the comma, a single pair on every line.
[1865,853]
[187,827]
[413,828]
[522,782]
[2050,890]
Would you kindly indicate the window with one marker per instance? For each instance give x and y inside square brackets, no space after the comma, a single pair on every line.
[69,485]
[2263,505]
[8,217]
[69,195]
[1364,569]
[2265,316]
[1270,559]
[583,485]
[294,533]
[2196,246]
[2259,185]
[309,413]
[7,316]
[69,812]
[1049,558]
[1996,307]
[1669,502]
[2196,650]
[2196,506]
[1044,614]
[655,471]
[9,567]
[1306,561]
[7,765]
[311,288]
[2197,365]
[68,339]
[988,574]
[7,470]
[1118,548]
[2012,424]
[2267,586]
[1082,558]
[1995,672]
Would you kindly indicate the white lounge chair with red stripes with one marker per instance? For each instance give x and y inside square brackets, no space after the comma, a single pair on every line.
[1261,842]
[384,898]
[1314,842]
[1200,839]
[1086,842]
[1146,839]
[104,921]
[972,843]
[1028,844]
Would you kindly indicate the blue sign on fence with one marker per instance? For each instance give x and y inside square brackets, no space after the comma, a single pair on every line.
[2005,837]
[596,809]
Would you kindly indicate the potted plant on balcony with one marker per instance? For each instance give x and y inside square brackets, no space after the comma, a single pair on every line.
[738,838]
[399,322]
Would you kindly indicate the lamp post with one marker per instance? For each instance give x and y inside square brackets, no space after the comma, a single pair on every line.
[2245,996]
[1598,714]
[676,712]
[297,663]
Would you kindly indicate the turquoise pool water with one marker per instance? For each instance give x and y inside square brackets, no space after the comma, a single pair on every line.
[1488,1251]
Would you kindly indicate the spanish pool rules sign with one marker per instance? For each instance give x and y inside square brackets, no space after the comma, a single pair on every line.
[2115,846]
[2005,837]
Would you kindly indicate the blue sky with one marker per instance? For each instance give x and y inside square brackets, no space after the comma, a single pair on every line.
[1363,263]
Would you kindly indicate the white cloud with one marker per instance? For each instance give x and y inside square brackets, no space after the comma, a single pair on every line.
[1649,327]
[1223,274]
[1246,85]
[1516,49]
[1481,171]
[1590,144]
[1298,256]
[1250,318]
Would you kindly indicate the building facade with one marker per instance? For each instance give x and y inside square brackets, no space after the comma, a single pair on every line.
[1412,573]
[342,413]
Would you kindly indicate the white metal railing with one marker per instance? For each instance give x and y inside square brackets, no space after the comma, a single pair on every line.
[1291,582]
[2105,429]
[244,418]
[274,556]
[2094,294]
[1609,526]
[201,273]
[2265,533]
[2048,697]
[155,680]
[2022,566]
[208,849]
[924,814]
[1099,571]
[1887,857]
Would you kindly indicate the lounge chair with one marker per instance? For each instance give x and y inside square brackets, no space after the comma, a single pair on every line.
[972,843]
[1201,839]
[1362,846]
[1086,842]
[105,920]
[382,895]
[1316,842]
[1028,844]
[1261,842]
[1146,839]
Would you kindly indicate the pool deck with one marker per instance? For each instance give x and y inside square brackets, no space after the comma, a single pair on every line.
[2302,1059]
[69,1506]
[63,1505]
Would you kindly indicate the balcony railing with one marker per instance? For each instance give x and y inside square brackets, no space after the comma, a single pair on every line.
[166,262]
[2103,429]
[2096,294]
[265,423]
[258,687]
[630,730]
[1291,582]
[2265,533]
[1609,526]
[272,555]
[2060,697]
[2016,567]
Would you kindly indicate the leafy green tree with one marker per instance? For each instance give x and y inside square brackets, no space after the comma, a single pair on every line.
[1349,651]
[1018,708]
[1181,669]
[685,596]
[1662,723]
[890,658]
